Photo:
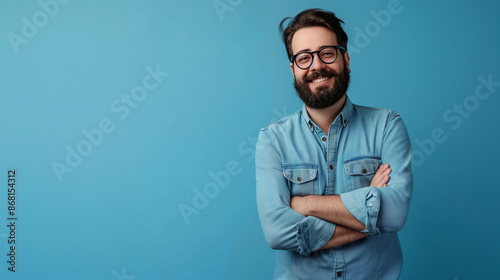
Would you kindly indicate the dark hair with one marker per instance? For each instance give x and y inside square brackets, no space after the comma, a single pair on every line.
[309,18]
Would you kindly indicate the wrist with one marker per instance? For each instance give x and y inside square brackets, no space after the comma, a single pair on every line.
[309,203]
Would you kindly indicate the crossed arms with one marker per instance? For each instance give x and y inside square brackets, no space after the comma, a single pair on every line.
[307,224]
[331,208]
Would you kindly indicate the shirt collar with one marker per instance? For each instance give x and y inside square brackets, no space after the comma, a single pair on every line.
[345,115]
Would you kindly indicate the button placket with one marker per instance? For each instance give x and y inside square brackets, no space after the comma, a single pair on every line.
[331,159]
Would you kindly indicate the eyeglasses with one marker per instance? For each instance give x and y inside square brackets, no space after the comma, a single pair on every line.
[327,55]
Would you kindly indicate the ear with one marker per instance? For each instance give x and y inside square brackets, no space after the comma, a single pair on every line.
[347,60]
[291,68]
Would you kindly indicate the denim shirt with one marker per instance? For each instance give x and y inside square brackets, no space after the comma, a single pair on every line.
[294,157]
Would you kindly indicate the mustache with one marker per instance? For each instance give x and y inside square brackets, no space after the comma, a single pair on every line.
[321,73]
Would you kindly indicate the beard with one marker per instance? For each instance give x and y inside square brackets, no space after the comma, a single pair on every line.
[324,97]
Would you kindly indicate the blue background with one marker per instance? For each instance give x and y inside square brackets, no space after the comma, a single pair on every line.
[117,214]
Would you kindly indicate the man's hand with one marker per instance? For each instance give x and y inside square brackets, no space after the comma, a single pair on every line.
[299,204]
[343,235]
[381,177]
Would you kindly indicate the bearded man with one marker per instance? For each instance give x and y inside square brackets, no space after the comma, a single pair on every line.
[334,179]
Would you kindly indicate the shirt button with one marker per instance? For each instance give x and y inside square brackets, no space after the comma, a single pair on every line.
[331,167]
[345,121]
[299,179]
[324,139]
[364,171]
[339,273]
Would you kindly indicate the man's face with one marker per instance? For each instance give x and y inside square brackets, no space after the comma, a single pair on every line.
[321,85]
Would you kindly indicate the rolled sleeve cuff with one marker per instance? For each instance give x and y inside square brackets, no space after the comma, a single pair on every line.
[312,234]
[364,205]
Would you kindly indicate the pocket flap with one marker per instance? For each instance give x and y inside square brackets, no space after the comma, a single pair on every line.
[362,166]
[300,175]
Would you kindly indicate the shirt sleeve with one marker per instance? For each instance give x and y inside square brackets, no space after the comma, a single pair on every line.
[385,209]
[283,227]
[364,205]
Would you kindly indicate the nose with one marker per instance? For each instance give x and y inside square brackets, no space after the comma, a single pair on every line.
[317,63]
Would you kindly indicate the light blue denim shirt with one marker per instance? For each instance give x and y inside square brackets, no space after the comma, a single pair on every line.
[294,157]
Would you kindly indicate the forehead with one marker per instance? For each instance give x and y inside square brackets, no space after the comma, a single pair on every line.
[313,38]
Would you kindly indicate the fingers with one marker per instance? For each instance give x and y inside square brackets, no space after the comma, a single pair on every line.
[383,167]
[381,177]
[382,182]
[377,178]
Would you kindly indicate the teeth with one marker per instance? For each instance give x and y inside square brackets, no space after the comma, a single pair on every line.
[320,80]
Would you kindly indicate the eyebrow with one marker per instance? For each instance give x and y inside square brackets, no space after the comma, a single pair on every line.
[308,50]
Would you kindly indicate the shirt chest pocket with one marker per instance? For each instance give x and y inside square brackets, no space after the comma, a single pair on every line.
[301,178]
[360,171]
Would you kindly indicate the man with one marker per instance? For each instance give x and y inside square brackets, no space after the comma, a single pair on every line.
[327,199]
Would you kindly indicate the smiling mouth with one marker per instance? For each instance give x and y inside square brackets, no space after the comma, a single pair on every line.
[319,80]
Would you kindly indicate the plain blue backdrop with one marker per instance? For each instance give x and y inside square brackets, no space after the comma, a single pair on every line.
[186,144]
